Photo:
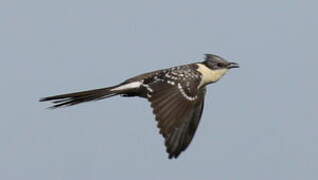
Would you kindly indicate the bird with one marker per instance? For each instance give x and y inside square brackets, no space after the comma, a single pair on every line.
[176,96]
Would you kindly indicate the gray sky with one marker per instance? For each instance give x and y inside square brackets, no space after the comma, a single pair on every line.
[259,122]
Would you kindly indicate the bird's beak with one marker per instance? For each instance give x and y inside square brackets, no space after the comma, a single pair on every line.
[232,65]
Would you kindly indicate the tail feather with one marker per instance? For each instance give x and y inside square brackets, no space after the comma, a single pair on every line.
[71,99]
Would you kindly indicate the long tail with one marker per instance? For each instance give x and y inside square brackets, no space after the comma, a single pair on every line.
[80,97]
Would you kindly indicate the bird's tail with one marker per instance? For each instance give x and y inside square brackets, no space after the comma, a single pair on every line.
[83,96]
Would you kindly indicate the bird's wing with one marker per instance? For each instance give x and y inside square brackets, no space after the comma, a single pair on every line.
[178,108]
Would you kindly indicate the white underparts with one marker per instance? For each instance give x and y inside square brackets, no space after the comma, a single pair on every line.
[132,85]
[209,75]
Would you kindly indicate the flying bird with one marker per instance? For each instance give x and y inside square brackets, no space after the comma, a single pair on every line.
[176,95]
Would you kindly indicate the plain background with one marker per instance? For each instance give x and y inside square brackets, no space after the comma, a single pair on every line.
[259,122]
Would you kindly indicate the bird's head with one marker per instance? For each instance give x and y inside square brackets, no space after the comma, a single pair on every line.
[214,68]
[215,62]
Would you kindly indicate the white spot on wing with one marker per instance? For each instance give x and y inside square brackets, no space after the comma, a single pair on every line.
[184,94]
[170,82]
[147,87]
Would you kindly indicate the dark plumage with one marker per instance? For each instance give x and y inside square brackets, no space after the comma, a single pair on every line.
[176,96]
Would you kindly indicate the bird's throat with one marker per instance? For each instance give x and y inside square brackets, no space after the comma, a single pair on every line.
[209,75]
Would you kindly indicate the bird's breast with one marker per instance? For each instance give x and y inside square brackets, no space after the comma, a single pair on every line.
[209,75]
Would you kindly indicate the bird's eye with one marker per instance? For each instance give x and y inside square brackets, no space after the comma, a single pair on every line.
[220,65]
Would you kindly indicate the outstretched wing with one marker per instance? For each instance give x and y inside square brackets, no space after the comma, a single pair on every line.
[178,107]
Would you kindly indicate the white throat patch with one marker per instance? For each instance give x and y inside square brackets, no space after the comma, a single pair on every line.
[209,75]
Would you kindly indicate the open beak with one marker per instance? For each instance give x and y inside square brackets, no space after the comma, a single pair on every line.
[232,65]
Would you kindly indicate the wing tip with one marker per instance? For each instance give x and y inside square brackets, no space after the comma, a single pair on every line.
[174,154]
